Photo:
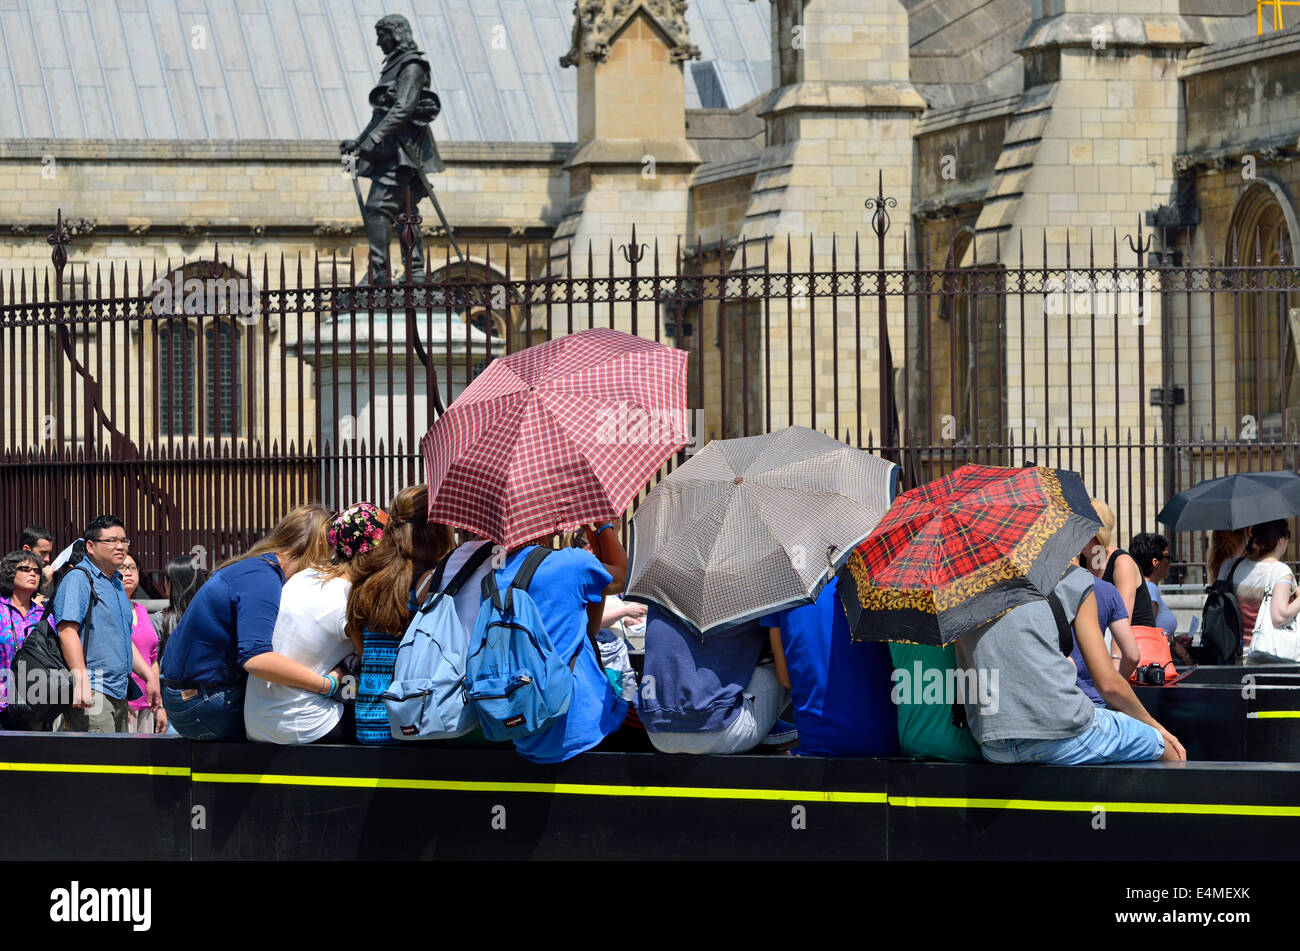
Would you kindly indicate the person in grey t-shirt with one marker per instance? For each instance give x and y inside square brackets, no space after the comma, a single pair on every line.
[1028,707]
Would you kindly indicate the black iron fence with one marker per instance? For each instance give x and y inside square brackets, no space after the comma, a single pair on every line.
[202,399]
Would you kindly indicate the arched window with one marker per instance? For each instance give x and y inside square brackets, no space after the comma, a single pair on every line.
[212,297]
[176,354]
[1268,373]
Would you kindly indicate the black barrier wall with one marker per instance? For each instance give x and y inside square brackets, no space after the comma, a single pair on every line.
[90,797]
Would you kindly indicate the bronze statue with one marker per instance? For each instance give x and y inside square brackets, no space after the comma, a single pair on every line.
[396,149]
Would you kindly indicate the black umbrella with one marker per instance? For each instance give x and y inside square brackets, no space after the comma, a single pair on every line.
[1234,501]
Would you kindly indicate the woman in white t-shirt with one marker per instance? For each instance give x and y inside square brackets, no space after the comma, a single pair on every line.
[310,629]
[1261,571]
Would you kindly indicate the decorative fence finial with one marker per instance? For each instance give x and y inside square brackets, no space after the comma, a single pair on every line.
[880,220]
[60,238]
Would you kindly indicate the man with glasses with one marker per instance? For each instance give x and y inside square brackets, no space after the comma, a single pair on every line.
[101,659]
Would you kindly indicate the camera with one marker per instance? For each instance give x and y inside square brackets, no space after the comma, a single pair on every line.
[1152,675]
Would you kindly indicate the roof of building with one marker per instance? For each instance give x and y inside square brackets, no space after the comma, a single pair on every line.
[302,69]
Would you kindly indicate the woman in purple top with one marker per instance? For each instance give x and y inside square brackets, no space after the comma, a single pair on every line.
[20,576]
[1113,618]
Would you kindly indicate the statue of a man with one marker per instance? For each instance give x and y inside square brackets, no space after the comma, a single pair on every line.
[396,145]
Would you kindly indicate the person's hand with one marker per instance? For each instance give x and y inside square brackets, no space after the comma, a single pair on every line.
[153,690]
[348,146]
[1179,644]
[82,697]
[634,610]
[1173,746]
[160,720]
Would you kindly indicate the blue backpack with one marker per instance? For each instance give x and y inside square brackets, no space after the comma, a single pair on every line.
[515,680]
[426,700]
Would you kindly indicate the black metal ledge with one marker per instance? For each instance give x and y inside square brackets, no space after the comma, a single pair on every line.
[91,797]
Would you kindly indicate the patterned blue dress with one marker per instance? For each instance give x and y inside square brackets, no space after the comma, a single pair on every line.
[378,654]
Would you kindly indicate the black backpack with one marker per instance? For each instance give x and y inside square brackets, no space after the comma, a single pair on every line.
[52,686]
[1221,623]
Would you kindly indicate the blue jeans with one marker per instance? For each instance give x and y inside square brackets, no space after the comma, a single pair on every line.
[1113,738]
[212,713]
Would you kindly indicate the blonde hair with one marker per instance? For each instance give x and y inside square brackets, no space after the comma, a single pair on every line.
[1224,544]
[1107,522]
[292,535]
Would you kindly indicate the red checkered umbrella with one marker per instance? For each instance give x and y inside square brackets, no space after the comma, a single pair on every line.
[556,436]
[952,555]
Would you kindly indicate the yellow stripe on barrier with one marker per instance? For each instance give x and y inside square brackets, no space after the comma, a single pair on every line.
[1046,805]
[671,792]
[564,789]
[94,768]
[1274,715]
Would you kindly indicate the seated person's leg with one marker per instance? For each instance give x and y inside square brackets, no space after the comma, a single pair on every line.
[770,698]
[1114,737]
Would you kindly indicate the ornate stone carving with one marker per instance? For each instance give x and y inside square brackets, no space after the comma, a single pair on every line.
[1184,163]
[80,226]
[256,231]
[191,227]
[1270,153]
[596,21]
[332,229]
[138,226]
[20,228]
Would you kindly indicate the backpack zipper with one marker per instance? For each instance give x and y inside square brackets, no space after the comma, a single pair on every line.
[523,682]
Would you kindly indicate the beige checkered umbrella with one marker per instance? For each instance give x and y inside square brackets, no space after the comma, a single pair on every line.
[754,525]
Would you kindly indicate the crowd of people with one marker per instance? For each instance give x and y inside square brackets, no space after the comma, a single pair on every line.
[296,639]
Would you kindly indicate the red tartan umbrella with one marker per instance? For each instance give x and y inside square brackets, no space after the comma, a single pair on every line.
[952,555]
[556,436]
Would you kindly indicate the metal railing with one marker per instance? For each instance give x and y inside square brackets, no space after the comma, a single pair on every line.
[202,400]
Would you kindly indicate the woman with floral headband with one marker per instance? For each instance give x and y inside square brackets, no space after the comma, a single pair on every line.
[309,629]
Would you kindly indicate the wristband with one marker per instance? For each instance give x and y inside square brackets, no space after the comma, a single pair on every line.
[334,685]
[609,525]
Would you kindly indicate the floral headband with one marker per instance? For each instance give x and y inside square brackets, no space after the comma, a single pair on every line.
[356,530]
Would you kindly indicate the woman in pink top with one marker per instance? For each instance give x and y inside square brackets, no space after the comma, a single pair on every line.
[145,638]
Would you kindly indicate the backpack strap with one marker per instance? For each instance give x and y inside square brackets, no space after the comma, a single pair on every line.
[524,577]
[1064,633]
[431,581]
[1232,571]
[472,564]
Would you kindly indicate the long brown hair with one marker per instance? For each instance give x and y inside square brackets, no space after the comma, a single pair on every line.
[1224,544]
[292,536]
[382,577]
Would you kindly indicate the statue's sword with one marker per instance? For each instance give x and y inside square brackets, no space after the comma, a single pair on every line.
[428,190]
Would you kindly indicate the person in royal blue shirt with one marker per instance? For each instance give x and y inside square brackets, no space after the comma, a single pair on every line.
[225,635]
[569,590]
[840,687]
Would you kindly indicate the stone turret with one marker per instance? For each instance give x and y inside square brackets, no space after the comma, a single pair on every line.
[632,163]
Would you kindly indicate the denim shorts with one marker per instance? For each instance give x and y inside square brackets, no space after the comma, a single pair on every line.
[213,713]
[1114,737]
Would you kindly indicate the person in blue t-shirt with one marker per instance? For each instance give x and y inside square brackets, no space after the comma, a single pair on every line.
[1113,618]
[569,590]
[840,687]
[706,695]
[102,658]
